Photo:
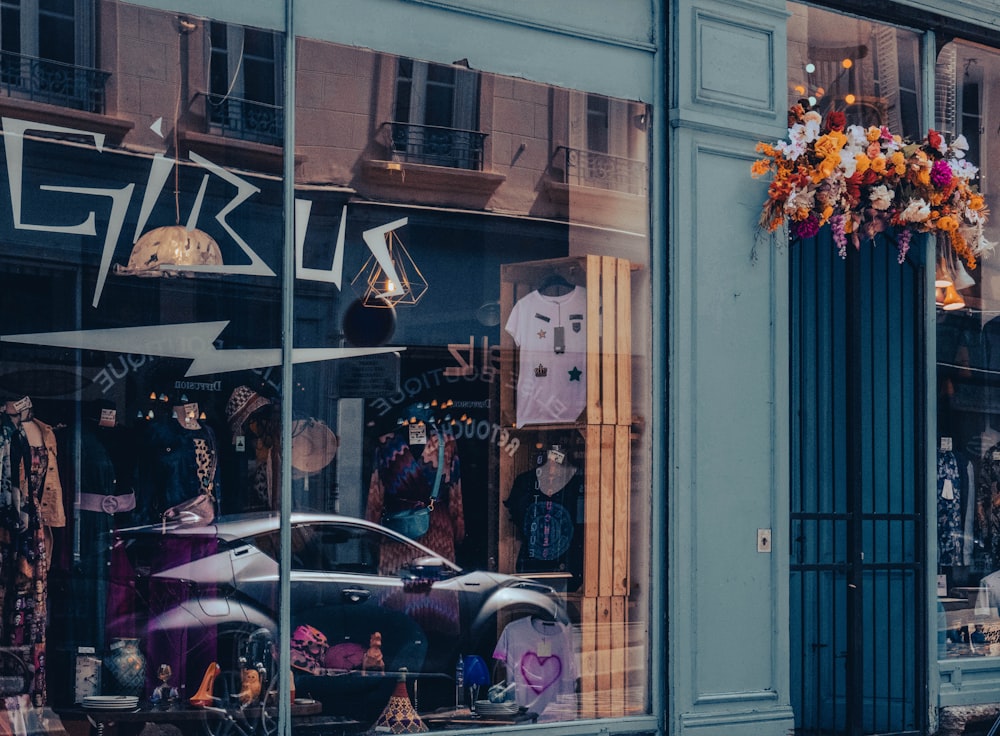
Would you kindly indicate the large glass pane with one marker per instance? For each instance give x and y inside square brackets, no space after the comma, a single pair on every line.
[140,276]
[968,498]
[471,479]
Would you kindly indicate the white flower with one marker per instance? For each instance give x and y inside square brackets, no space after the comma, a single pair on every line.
[881,197]
[857,138]
[959,146]
[791,150]
[917,210]
[800,199]
[963,169]
[848,164]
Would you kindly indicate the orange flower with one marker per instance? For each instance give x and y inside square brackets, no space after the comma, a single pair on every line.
[760,167]
[947,223]
[898,161]
[863,163]
[976,202]
[829,145]
[873,134]
[878,164]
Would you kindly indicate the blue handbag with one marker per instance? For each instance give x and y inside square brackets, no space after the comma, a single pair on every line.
[414,523]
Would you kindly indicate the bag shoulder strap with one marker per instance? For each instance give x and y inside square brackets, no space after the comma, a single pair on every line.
[437,479]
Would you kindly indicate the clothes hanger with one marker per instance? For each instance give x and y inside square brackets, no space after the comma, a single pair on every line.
[555,280]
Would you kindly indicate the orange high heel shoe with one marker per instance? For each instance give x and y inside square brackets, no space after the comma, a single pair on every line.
[204,694]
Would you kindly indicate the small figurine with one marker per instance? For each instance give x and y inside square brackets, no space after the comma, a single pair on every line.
[251,687]
[162,693]
[372,660]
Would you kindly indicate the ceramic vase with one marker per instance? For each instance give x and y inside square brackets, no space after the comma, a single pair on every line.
[126,668]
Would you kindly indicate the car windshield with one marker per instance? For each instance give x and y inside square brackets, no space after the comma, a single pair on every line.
[346,548]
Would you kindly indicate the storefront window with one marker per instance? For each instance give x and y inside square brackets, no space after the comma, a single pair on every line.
[968,497]
[469,448]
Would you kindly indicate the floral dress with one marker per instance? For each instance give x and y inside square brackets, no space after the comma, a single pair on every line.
[23,565]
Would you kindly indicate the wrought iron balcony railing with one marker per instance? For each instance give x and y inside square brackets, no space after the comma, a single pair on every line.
[234,117]
[53,82]
[600,170]
[435,145]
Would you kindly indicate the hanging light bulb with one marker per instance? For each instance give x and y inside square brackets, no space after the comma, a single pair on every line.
[383,284]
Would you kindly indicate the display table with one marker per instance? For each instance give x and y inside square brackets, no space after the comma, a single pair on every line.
[465,718]
[192,720]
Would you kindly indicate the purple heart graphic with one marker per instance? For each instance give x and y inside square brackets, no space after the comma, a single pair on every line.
[540,672]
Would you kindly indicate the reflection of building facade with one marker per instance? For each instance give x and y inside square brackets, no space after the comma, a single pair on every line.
[828,567]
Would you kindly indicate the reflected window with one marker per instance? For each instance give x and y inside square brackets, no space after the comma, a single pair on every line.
[47,53]
[244,83]
[436,115]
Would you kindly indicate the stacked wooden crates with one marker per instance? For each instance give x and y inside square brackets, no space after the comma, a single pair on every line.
[601,602]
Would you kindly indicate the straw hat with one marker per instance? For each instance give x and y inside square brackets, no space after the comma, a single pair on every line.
[243,402]
[314,446]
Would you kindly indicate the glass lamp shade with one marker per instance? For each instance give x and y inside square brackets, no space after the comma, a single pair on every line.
[952,299]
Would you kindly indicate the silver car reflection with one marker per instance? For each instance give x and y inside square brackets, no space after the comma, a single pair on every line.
[349,579]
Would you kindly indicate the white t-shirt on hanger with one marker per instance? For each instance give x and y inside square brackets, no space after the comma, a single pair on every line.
[551,334]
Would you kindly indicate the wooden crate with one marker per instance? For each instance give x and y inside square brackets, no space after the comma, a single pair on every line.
[603,657]
[602,445]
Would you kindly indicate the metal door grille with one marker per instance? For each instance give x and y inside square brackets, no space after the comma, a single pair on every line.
[858,418]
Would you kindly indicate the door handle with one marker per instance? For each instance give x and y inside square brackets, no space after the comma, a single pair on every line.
[356,595]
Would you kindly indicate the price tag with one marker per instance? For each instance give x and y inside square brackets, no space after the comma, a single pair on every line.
[557,456]
[544,648]
[108,418]
[418,434]
[946,444]
[22,405]
[240,441]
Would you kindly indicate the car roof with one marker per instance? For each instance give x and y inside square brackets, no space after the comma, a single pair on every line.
[233,527]
[238,526]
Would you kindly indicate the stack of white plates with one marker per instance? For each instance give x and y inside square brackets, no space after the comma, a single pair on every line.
[496,710]
[111,702]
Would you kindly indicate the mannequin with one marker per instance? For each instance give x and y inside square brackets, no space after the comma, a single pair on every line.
[32,501]
[176,461]
[404,471]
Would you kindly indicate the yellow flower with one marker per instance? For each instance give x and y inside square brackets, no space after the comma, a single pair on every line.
[873,134]
[878,164]
[898,161]
[947,223]
[825,168]
[829,145]
[863,163]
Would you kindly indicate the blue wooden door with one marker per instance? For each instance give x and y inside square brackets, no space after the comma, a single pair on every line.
[858,423]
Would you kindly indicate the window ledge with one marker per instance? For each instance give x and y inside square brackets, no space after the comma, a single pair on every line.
[595,204]
[114,129]
[237,153]
[474,188]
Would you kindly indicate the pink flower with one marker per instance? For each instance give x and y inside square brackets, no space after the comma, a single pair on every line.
[941,174]
[806,228]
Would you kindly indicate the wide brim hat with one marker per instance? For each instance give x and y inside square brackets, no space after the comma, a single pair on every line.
[314,445]
[243,402]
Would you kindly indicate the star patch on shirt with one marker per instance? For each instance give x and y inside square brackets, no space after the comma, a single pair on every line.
[541,334]
[575,373]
